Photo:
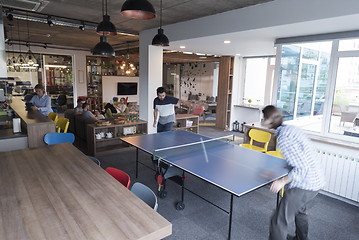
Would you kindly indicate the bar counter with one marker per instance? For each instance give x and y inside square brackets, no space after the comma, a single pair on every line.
[33,123]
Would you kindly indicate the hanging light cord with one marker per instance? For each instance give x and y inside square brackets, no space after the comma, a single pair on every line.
[18,33]
[106,6]
[161,15]
[103,8]
[28,31]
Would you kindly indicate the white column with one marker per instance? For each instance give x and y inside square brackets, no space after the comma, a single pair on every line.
[151,64]
[3,71]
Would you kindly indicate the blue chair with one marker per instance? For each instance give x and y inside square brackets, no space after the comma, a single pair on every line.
[56,138]
[146,194]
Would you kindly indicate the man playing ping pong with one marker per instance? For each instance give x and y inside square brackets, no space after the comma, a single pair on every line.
[164,111]
[303,182]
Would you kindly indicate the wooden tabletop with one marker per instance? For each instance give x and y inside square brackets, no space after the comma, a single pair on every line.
[56,192]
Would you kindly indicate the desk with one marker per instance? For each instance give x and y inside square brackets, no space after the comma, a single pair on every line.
[56,192]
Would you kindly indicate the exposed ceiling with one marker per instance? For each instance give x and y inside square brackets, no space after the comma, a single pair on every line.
[91,10]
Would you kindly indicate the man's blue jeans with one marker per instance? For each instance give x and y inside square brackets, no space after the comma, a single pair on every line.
[164,127]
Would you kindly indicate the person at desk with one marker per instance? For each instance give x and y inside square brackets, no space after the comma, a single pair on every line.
[164,111]
[302,183]
[41,101]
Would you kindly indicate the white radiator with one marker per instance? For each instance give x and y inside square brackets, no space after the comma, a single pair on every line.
[341,174]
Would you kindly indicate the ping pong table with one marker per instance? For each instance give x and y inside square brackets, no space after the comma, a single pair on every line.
[236,170]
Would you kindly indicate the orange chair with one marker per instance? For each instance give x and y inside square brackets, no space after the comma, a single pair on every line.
[120,176]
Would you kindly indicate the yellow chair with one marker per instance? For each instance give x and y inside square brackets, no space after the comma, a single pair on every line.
[279,155]
[53,116]
[258,136]
[63,125]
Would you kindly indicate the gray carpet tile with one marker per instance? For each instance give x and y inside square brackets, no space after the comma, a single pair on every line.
[329,218]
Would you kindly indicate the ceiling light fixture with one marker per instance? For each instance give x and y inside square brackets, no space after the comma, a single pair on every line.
[138,9]
[31,60]
[82,26]
[226,41]
[103,48]
[106,27]
[182,46]
[160,39]
[49,21]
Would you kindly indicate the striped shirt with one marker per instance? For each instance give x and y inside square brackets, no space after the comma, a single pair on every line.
[298,151]
[166,109]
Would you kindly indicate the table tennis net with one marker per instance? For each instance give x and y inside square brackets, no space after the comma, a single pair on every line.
[202,145]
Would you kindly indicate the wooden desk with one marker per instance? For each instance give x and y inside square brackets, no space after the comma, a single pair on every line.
[56,192]
[257,125]
[36,124]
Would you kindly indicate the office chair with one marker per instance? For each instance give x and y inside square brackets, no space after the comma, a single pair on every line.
[258,136]
[62,125]
[145,194]
[56,138]
[120,176]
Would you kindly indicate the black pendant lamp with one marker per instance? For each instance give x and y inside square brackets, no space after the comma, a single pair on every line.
[106,27]
[138,9]
[160,39]
[103,48]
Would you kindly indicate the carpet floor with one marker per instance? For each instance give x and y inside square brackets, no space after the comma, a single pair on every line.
[329,218]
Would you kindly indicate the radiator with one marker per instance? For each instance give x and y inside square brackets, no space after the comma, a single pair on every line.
[341,174]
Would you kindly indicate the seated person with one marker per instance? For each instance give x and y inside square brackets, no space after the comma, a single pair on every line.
[78,109]
[41,101]
[86,112]
[98,115]
[122,106]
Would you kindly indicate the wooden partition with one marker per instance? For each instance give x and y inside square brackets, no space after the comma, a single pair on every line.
[224,94]
[33,123]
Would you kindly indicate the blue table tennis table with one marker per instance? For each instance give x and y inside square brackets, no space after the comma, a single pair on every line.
[235,169]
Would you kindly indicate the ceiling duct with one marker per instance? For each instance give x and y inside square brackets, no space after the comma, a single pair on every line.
[30,5]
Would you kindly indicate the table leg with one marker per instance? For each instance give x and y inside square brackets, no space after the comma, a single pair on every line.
[230,218]
[180,205]
[136,162]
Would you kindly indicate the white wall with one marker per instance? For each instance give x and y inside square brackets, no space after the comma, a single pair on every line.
[197,78]
[109,88]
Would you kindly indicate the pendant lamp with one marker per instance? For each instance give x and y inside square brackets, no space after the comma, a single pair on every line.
[20,58]
[31,60]
[160,39]
[103,48]
[106,27]
[138,9]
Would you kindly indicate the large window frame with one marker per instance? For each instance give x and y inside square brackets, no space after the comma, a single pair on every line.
[330,93]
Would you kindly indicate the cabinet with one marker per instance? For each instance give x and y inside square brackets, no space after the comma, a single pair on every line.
[187,122]
[95,144]
[224,99]
[257,125]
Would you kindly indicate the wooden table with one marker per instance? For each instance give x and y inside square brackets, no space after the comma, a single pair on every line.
[56,192]
[35,123]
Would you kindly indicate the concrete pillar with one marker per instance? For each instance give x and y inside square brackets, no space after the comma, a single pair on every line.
[3,71]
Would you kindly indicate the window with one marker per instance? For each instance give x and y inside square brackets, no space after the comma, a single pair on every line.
[318,87]
[258,72]
[303,80]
